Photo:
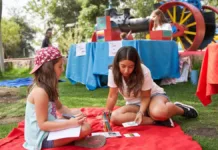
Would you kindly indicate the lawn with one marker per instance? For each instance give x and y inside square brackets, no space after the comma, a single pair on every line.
[204,129]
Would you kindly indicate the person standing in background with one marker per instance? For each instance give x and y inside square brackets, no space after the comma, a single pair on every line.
[48,35]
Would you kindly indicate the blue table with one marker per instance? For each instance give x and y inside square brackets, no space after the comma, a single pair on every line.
[79,68]
[161,57]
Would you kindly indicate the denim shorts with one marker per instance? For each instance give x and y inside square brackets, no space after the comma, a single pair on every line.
[152,96]
[160,94]
[47,144]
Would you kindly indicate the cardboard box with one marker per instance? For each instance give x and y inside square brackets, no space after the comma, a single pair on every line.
[161,35]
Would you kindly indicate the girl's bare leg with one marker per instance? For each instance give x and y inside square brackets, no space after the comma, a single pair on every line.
[128,113]
[162,109]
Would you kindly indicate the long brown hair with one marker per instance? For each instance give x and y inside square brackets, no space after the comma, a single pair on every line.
[136,78]
[45,77]
[162,19]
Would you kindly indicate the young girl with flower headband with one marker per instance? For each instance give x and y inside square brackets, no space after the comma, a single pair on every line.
[146,102]
[43,102]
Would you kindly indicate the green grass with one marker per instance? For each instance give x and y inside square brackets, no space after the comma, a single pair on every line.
[5,129]
[75,96]
[15,73]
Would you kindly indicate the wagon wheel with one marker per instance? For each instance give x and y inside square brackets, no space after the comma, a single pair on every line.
[215,10]
[188,23]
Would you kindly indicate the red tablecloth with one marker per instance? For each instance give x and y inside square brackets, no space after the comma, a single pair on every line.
[208,79]
[151,137]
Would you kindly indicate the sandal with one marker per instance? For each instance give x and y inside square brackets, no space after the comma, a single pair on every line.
[91,142]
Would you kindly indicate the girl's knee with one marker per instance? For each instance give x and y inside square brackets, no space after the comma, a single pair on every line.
[159,113]
[115,117]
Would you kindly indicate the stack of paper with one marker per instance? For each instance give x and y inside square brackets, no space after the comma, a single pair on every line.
[66,133]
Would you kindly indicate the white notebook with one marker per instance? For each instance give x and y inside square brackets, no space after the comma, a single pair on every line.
[66,133]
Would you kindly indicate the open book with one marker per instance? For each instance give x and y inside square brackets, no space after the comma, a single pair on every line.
[66,133]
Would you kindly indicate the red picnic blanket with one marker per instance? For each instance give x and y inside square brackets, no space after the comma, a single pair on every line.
[151,137]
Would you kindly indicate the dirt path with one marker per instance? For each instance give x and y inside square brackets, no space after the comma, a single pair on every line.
[11,120]
[9,95]
[204,131]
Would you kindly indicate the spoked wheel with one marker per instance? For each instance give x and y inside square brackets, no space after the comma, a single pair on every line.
[187,22]
[215,10]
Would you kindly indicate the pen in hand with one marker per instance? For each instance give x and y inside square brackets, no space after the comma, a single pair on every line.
[67,116]
[79,118]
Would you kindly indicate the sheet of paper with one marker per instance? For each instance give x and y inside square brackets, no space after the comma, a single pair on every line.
[70,132]
[81,49]
[114,47]
[131,135]
[108,134]
[129,124]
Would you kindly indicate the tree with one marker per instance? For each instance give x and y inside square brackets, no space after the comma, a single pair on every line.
[26,34]
[64,12]
[55,12]
[211,2]
[1,47]
[140,8]
[17,37]
[10,37]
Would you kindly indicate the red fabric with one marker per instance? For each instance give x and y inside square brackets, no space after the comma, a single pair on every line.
[152,137]
[208,80]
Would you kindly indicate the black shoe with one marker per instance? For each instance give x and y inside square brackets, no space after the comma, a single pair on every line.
[189,111]
[166,123]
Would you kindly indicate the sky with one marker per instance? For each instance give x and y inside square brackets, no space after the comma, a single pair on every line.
[36,22]
[8,4]
[18,5]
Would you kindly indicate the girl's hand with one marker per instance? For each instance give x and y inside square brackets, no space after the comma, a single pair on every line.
[81,118]
[78,119]
[139,117]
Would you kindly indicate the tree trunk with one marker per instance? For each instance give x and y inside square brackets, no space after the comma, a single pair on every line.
[1,47]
